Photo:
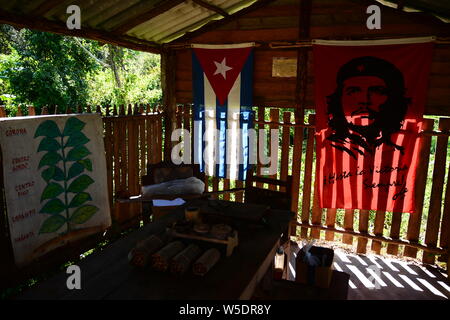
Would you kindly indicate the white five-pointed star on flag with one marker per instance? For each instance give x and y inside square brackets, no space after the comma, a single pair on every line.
[222,68]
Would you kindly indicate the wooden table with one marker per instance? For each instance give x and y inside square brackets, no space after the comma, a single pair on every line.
[108,275]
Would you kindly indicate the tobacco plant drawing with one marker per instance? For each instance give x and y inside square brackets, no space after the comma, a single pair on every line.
[66,162]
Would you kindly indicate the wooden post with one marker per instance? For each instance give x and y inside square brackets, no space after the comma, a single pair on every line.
[316,212]
[108,152]
[445,232]
[300,101]
[349,217]
[260,129]
[395,232]
[285,142]
[378,230]
[168,75]
[31,111]
[274,117]
[434,213]
[363,228]
[306,203]
[415,219]
[330,221]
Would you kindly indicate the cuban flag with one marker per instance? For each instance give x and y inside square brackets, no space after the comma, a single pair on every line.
[223,116]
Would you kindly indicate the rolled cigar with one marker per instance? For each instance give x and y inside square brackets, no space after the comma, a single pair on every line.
[140,255]
[180,263]
[160,259]
[206,262]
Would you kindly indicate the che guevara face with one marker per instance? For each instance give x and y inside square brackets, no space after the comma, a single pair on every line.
[362,97]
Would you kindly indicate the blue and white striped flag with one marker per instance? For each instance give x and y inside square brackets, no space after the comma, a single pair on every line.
[223,99]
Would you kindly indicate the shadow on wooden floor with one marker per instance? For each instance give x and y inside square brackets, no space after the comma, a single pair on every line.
[374,277]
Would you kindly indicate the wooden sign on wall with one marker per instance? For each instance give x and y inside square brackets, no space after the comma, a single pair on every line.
[55,181]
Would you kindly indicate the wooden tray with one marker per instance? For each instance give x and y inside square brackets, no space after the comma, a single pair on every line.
[233,210]
[231,242]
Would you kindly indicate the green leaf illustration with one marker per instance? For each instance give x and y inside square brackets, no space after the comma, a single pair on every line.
[75,170]
[48,173]
[83,214]
[48,129]
[49,144]
[52,224]
[80,184]
[77,139]
[54,173]
[51,191]
[53,206]
[87,164]
[73,125]
[77,153]
[74,151]
[79,199]
[50,159]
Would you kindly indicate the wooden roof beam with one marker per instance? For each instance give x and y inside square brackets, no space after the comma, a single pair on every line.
[22,21]
[46,6]
[159,8]
[211,7]
[217,23]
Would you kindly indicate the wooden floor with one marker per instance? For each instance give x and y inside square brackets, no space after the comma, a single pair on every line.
[374,277]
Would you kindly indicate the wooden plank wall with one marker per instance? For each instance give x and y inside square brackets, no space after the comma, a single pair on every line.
[133,138]
[331,19]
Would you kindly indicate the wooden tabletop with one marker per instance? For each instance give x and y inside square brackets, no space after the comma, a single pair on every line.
[108,275]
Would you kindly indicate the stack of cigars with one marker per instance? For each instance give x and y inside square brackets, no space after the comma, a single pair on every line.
[174,256]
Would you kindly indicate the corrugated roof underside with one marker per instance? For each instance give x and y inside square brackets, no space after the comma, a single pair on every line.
[186,16]
[109,15]
[183,18]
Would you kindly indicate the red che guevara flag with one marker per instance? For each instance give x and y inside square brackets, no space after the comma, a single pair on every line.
[370,98]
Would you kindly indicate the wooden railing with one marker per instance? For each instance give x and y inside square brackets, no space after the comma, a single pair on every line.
[133,138]
[425,232]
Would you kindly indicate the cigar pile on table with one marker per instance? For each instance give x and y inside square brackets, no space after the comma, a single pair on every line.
[206,262]
[181,262]
[140,255]
[161,259]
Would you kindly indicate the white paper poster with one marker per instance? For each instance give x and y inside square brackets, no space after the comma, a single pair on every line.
[55,181]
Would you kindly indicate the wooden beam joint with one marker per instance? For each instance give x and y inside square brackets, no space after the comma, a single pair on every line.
[211,7]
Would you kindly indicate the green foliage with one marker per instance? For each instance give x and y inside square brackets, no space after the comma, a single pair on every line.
[43,69]
[139,75]
[73,156]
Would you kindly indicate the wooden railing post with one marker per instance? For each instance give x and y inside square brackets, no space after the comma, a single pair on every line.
[168,68]
[434,212]
[415,220]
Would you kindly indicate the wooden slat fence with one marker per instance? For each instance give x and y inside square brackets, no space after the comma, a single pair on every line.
[425,232]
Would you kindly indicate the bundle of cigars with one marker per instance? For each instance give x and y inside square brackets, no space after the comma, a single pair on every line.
[140,255]
[174,256]
[162,258]
[181,262]
[206,262]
